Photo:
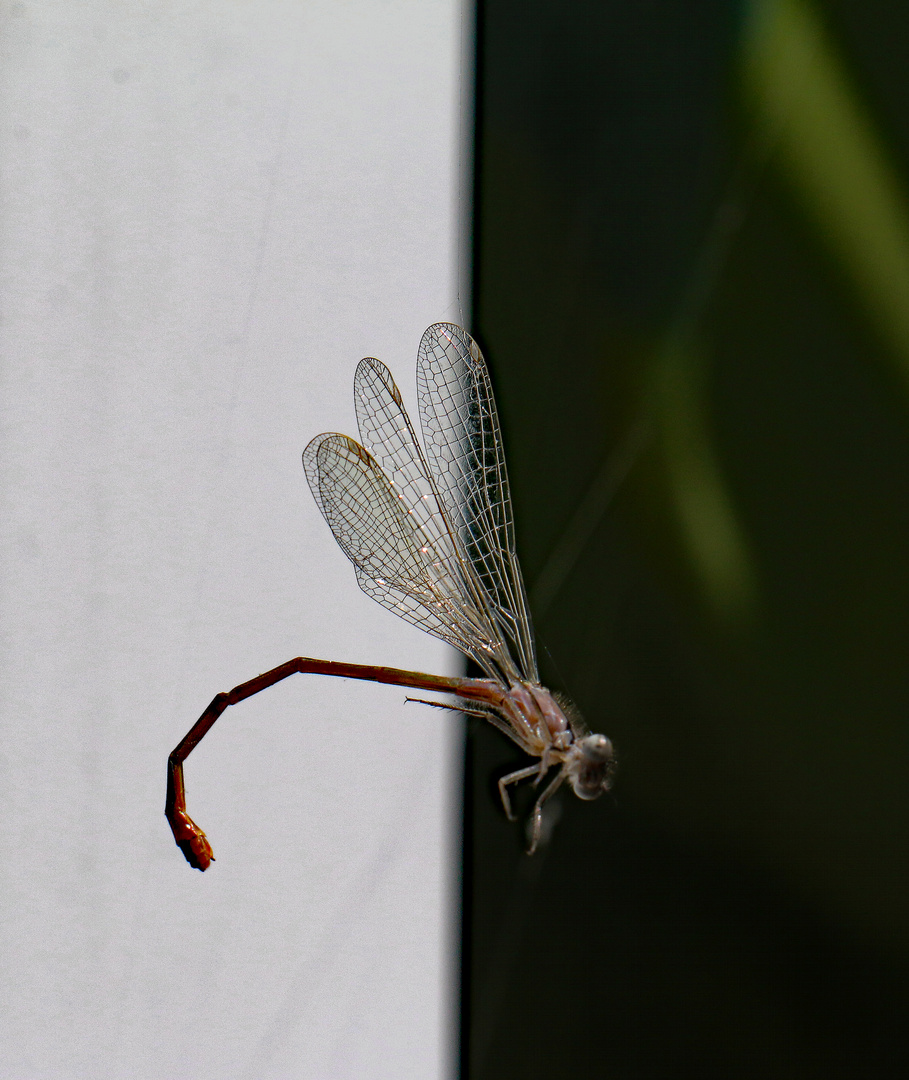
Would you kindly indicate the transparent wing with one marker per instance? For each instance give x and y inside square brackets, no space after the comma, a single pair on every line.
[397,563]
[386,432]
[464,448]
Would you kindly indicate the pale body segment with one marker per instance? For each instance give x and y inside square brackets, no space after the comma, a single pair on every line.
[431,536]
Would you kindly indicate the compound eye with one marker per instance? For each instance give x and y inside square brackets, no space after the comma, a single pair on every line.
[595,766]
[597,748]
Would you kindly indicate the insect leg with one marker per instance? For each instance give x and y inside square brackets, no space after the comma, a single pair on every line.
[535,825]
[514,778]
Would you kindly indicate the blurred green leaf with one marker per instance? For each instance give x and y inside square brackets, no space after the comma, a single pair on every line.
[831,154]
[710,529]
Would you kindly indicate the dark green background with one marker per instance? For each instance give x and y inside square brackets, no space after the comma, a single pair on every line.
[651,282]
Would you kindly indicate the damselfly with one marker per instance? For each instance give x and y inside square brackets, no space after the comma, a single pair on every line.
[430,532]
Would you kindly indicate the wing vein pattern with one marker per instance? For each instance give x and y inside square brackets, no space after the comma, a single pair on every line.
[431,536]
[464,446]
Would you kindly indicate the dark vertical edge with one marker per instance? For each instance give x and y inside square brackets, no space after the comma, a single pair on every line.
[473,188]
[466,878]
[472,112]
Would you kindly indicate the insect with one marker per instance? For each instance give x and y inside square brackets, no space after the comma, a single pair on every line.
[430,532]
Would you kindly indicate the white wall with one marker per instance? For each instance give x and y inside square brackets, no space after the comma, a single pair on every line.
[210,212]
